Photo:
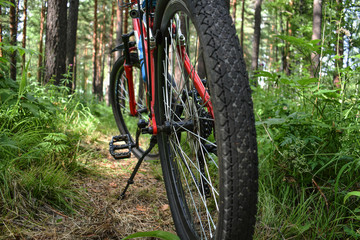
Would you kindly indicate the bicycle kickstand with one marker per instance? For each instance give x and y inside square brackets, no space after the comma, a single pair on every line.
[153,142]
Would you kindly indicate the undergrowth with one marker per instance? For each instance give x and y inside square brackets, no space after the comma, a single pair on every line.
[42,135]
[309,155]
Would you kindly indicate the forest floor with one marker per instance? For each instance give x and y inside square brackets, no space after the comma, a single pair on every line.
[103,216]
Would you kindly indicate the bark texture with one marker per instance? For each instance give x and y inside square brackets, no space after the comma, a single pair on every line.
[119,28]
[72,23]
[257,32]
[97,88]
[316,29]
[56,36]
[24,32]
[13,35]
[40,60]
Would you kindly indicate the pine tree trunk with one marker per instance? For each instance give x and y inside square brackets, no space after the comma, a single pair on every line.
[40,60]
[316,29]
[283,48]
[97,90]
[85,77]
[119,28]
[256,42]
[13,36]
[339,47]
[71,42]
[111,43]
[111,34]
[126,18]
[24,33]
[234,11]
[101,57]
[242,24]
[271,49]
[56,36]
[287,50]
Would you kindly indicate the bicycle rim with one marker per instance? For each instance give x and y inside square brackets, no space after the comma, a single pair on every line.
[119,97]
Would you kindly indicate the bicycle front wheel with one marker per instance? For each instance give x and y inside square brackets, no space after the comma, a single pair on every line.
[208,151]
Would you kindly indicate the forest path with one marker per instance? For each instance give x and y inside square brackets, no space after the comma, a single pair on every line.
[103,216]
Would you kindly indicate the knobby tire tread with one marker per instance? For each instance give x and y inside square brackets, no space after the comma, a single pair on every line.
[235,128]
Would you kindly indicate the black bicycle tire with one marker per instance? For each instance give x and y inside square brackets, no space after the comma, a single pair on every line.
[121,124]
[235,128]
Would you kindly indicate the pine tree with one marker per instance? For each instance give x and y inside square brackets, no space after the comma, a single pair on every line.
[257,32]
[56,35]
[72,22]
[13,35]
[24,32]
[40,59]
[316,30]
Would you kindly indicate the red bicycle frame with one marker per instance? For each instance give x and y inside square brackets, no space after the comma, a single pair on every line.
[150,72]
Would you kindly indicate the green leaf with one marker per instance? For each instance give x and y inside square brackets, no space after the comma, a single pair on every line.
[270,75]
[4,60]
[346,114]
[34,109]
[23,81]
[354,193]
[6,3]
[324,93]
[351,232]
[356,56]
[338,57]
[306,81]
[272,121]
[285,81]
[157,234]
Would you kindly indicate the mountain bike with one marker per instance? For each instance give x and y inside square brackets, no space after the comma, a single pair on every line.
[180,92]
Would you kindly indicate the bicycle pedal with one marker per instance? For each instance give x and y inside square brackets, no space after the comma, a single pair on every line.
[119,151]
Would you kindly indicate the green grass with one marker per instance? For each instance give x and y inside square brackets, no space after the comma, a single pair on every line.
[42,135]
[308,161]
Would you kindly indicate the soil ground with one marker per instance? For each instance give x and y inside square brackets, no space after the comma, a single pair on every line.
[103,216]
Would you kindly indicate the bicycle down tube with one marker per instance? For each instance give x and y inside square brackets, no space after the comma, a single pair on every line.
[186,63]
[143,51]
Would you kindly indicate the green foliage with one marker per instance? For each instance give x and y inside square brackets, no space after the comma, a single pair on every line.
[40,132]
[156,234]
[309,150]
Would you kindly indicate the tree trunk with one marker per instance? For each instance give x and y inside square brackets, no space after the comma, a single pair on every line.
[97,90]
[13,36]
[242,24]
[40,60]
[101,57]
[111,40]
[287,46]
[316,29]
[234,11]
[339,46]
[24,33]
[283,48]
[85,77]
[56,36]
[71,42]
[257,32]
[126,18]
[119,28]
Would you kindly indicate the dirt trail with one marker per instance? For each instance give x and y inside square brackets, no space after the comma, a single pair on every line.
[103,216]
